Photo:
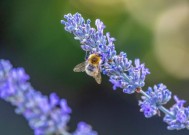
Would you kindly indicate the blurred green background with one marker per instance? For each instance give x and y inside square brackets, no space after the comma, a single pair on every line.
[156,31]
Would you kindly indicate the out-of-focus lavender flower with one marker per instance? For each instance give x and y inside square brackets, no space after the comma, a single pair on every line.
[120,70]
[84,129]
[46,115]
[156,96]
[180,120]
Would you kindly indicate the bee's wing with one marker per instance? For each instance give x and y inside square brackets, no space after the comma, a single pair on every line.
[98,78]
[80,67]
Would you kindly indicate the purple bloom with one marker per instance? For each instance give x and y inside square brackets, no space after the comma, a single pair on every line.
[119,68]
[84,129]
[159,94]
[148,108]
[46,115]
[180,118]
[155,98]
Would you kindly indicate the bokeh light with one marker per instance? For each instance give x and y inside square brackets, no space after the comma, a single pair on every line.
[172,41]
[147,11]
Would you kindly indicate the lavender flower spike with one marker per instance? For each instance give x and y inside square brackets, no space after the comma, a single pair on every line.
[124,74]
[157,97]
[181,116]
[46,116]
[119,68]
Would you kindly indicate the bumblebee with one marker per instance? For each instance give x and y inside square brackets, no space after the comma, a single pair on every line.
[91,66]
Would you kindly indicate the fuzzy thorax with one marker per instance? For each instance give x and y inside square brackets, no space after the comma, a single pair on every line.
[94,59]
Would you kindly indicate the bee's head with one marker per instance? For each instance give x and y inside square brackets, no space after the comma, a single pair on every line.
[94,59]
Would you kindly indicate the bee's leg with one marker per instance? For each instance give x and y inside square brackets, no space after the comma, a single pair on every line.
[86,55]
